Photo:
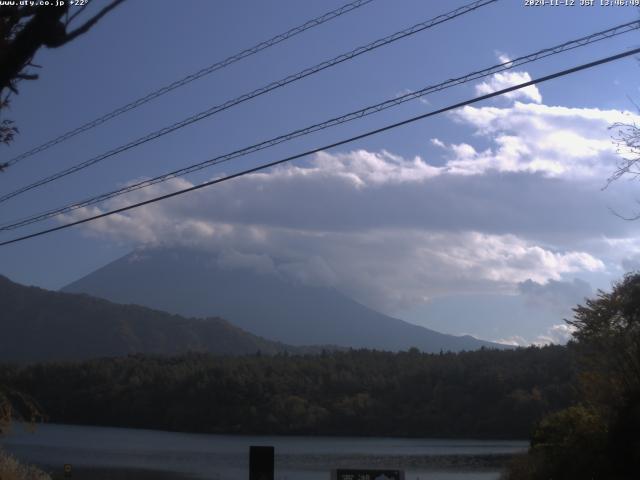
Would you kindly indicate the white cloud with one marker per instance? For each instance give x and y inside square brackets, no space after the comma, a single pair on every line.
[309,216]
[364,168]
[504,58]
[554,141]
[502,80]
[438,143]
[515,340]
[558,334]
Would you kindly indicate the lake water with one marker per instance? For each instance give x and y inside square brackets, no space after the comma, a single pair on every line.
[225,457]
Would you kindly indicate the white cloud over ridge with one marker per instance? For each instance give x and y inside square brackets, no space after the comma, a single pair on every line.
[558,334]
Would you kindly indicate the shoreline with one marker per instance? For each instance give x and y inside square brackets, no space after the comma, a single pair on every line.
[445,462]
[309,463]
[106,473]
[341,436]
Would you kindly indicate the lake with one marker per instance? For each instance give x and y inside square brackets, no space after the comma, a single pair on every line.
[101,450]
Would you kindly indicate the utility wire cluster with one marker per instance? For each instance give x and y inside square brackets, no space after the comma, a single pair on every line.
[392,126]
[192,77]
[570,45]
[419,27]
[369,110]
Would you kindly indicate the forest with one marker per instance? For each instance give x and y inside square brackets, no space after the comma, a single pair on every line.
[484,393]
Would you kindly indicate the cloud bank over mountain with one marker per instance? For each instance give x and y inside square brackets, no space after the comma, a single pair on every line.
[515,207]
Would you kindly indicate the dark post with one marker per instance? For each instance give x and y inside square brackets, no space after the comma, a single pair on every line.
[261,463]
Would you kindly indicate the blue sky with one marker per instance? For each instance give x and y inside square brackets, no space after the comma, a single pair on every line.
[489,221]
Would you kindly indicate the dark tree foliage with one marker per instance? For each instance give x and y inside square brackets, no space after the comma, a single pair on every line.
[485,393]
[7,127]
[15,405]
[600,437]
[608,343]
[24,29]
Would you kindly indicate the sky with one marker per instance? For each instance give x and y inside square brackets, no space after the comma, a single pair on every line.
[490,220]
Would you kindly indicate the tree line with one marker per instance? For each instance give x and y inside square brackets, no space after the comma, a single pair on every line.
[484,393]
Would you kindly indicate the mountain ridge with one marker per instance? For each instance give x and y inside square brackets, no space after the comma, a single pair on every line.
[43,325]
[256,297]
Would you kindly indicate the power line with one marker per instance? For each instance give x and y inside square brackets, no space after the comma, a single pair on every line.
[260,91]
[264,166]
[194,76]
[570,45]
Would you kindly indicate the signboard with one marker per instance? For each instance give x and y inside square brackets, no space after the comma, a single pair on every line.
[366,474]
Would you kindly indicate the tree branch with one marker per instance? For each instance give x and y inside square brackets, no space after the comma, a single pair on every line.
[91,22]
[73,17]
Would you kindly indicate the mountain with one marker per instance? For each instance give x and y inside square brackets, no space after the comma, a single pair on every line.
[253,293]
[38,325]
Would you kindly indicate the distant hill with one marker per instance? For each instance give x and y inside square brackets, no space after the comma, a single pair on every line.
[37,325]
[258,299]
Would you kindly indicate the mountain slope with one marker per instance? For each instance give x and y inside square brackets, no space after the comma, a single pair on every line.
[37,324]
[259,300]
